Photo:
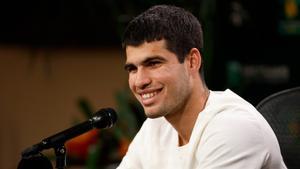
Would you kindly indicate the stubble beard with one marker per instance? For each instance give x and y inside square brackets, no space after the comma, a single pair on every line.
[175,105]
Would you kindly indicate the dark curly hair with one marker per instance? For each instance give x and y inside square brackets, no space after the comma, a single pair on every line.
[180,28]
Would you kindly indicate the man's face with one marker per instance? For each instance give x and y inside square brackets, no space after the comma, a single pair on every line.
[157,79]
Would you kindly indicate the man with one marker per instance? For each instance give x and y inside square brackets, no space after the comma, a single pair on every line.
[188,125]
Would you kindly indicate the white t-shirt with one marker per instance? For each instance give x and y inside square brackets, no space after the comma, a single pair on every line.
[229,134]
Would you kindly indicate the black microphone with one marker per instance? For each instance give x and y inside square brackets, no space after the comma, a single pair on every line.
[104,118]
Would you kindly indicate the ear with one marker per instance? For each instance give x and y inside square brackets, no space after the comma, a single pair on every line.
[193,60]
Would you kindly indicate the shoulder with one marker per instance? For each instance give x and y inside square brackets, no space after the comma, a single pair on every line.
[235,126]
[227,114]
[235,131]
[235,116]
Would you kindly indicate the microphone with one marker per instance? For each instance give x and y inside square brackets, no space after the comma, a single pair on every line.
[104,118]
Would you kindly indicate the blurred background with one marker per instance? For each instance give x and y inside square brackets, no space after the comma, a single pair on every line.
[61,60]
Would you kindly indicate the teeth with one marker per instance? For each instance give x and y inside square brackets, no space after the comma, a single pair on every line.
[148,95]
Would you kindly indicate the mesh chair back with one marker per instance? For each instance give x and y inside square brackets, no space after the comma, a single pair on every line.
[282,111]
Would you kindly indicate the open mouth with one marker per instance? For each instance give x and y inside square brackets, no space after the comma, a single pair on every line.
[148,95]
[148,98]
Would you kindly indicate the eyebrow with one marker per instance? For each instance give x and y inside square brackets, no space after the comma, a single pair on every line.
[145,61]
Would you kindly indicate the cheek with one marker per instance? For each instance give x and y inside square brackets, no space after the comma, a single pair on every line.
[173,75]
[131,83]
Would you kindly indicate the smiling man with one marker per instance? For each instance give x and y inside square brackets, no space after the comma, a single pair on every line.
[188,125]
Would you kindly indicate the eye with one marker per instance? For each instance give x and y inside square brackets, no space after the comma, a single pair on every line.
[130,68]
[154,63]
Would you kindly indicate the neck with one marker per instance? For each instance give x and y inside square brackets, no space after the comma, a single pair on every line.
[185,120]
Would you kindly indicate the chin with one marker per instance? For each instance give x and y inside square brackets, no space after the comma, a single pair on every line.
[153,114]
[150,114]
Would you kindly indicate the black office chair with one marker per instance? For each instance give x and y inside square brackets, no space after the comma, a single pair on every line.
[282,111]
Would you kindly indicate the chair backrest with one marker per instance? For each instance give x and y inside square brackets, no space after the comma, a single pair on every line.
[282,111]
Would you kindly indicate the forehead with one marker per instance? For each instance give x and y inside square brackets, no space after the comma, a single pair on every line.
[135,54]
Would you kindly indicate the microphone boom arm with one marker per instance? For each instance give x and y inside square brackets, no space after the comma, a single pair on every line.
[104,118]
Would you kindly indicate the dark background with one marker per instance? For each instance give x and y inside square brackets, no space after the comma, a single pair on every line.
[232,49]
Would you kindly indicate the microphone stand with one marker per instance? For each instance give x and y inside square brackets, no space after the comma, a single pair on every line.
[61,155]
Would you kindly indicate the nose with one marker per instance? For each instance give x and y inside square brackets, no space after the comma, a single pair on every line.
[142,79]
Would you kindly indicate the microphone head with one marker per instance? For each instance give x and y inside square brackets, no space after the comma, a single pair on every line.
[104,118]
